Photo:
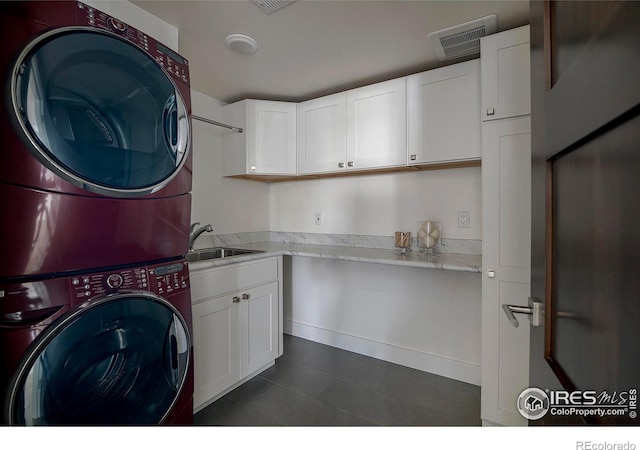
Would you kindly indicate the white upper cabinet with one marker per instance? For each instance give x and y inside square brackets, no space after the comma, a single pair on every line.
[362,128]
[444,114]
[506,79]
[377,125]
[322,134]
[268,144]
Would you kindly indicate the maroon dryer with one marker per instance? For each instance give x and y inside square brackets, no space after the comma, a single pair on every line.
[95,137]
[98,348]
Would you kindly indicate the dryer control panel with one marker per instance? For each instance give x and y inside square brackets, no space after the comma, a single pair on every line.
[170,61]
[162,279]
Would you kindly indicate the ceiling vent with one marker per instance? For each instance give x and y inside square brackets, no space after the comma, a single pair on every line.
[270,6]
[464,39]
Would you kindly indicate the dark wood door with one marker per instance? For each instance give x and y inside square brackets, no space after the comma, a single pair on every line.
[586,200]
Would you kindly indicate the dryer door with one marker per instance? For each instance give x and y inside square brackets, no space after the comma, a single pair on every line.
[100,112]
[119,360]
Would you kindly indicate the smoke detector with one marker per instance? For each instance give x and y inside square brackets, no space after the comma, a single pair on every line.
[270,6]
[464,39]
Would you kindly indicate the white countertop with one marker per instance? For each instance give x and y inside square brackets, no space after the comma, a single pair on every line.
[440,261]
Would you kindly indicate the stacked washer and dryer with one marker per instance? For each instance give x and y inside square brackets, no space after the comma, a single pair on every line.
[95,180]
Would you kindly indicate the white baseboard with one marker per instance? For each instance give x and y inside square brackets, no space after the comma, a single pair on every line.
[450,368]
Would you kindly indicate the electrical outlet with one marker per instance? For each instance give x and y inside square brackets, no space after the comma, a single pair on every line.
[463,219]
[318,219]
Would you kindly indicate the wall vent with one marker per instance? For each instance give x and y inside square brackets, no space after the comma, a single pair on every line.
[270,6]
[464,39]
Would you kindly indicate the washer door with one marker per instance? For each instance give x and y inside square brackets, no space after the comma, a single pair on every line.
[119,360]
[100,112]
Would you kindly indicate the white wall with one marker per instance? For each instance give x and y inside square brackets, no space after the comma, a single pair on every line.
[230,205]
[380,204]
[140,19]
[422,318]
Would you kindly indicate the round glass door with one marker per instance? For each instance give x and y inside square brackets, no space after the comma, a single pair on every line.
[121,360]
[100,112]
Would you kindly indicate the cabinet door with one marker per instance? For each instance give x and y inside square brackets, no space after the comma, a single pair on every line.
[272,136]
[444,114]
[268,143]
[506,81]
[216,346]
[322,138]
[377,125]
[506,211]
[259,327]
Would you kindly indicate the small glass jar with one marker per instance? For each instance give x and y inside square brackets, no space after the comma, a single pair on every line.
[403,241]
[429,235]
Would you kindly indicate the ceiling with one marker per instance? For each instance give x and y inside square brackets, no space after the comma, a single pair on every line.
[312,48]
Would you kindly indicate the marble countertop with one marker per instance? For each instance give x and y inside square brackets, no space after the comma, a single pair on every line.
[440,261]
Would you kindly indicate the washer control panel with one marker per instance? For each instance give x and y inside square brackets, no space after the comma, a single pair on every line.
[169,278]
[162,279]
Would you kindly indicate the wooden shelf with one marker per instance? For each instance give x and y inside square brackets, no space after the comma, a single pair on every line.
[354,173]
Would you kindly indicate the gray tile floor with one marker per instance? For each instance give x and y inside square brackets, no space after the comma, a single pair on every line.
[316,385]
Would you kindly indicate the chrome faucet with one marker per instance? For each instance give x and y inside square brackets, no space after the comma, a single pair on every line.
[194,233]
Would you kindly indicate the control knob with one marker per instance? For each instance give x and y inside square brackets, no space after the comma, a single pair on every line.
[114,281]
[116,24]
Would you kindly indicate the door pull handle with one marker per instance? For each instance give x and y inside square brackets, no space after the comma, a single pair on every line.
[535,311]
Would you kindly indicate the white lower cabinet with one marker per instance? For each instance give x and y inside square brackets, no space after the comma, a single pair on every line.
[216,346]
[258,327]
[237,325]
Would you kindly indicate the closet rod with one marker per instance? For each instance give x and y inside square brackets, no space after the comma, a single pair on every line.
[213,122]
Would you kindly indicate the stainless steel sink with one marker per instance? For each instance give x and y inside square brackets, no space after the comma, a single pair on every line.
[218,252]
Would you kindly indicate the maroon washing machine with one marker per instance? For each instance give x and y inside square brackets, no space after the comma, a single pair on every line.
[95,137]
[98,348]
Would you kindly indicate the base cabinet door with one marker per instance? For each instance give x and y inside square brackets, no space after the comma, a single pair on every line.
[216,347]
[258,327]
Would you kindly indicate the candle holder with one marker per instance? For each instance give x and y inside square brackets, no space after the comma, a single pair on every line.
[429,235]
[403,241]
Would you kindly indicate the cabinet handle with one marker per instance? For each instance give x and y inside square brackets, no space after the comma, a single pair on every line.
[245,296]
[341,165]
[350,164]
[490,111]
[236,299]
[413,157]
